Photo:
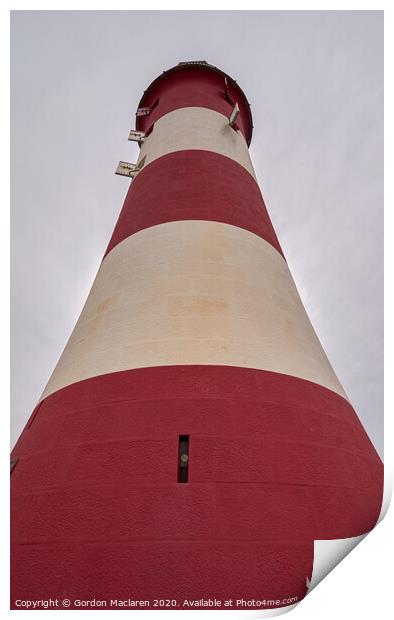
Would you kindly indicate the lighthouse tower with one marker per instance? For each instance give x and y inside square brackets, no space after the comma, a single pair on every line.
[193,440]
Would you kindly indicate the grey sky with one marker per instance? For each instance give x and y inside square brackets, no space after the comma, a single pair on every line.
[315,83]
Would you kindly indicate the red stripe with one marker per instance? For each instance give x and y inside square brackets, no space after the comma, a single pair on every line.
[194,87]
[194,185]
[275,462]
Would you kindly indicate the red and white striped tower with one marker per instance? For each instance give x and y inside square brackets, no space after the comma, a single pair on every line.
[193,441]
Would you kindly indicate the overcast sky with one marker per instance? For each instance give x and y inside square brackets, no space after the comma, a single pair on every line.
[315,84]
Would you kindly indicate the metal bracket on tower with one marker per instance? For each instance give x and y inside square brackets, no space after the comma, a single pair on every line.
[233,116]
[136,136]
[125,169]
[143,111]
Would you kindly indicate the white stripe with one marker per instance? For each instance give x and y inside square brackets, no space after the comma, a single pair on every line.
[193,292]
[195,128]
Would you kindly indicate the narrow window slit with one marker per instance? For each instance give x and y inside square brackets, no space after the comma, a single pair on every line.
[183,458]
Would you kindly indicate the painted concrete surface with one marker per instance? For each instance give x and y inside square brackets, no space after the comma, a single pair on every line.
[275,462]
[196,128]
[193,292]
[194,185]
